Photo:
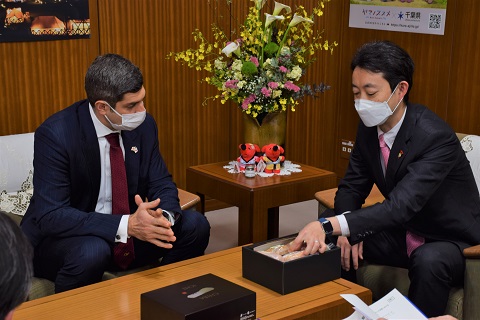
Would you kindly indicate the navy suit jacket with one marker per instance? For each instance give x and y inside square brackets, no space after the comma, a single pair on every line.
[429,186]
[67,176]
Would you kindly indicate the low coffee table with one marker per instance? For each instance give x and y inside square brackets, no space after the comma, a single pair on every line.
[120,298]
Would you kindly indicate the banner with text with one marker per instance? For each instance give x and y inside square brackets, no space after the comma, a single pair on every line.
[417,16]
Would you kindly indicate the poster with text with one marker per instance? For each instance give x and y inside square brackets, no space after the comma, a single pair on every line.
[418,16]
[36,20]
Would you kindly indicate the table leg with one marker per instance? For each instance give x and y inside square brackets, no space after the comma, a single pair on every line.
[273,222]
[245,227]
[201,204]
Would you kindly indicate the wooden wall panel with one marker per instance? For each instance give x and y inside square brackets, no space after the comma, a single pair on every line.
[464,75]
[40,78]
[145,31]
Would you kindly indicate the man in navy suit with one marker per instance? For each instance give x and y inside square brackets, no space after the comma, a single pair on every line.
[431,210]
[70,222]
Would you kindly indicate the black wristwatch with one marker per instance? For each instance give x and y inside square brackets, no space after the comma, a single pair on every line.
[326,225]
[169,216]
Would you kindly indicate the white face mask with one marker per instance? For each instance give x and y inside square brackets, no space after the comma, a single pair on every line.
[130,121]
[375,113]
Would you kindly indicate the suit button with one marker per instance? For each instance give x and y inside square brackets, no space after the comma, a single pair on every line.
[117,237]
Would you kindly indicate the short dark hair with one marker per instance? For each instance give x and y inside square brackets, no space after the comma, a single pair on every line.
[15,264]
[387,58]
[109,77]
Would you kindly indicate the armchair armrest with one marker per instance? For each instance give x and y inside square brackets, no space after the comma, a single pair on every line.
[187,199]
[472,252]
[471,286]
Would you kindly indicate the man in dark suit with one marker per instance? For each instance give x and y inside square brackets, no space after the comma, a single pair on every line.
[73,221]
[431,210]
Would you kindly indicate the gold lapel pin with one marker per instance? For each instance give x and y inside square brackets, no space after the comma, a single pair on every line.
[400,154]
[134,149]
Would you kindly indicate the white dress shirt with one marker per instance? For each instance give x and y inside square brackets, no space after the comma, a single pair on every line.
[104,202]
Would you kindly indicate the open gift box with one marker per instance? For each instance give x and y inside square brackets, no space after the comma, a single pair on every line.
[289,276]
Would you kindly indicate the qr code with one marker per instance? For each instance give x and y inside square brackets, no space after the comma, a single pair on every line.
[435,21]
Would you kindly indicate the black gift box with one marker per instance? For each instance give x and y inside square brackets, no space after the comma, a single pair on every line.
[290,276]
[204,297]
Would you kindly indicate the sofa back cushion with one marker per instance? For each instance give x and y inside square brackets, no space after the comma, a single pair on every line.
[16,172]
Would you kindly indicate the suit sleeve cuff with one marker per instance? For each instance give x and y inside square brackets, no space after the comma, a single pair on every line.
[122,232]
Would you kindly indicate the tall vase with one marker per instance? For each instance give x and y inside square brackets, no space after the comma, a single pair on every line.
[271,130]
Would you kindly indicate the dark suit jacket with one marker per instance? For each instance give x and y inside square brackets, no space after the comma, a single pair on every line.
[429,186]
[67,176]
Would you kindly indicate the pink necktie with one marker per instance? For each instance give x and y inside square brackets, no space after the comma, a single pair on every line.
[123,253]
[413,241]
[385,150]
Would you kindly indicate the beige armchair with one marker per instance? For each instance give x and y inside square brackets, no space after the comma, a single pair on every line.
[463,302]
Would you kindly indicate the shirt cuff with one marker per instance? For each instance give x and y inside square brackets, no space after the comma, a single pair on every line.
[122,232]
[342,221]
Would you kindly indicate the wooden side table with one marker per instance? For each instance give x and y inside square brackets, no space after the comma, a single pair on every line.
[257,198]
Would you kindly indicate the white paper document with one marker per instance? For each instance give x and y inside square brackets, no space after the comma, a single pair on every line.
[393,306]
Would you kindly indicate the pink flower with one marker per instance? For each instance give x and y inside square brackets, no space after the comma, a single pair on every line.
[266,92]
[247,101]
[290,86]
[273,85]
[254,60]
[283,69]
[231,84]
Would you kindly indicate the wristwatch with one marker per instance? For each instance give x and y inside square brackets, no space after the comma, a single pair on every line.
[170,217]
[326,225]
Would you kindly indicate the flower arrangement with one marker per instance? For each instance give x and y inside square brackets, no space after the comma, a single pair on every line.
[261,70]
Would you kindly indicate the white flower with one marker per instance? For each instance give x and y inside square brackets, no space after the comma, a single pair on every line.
[259,3]
[285,51]
[297,19]
[279,7]
[295,74]
[276,93]
[271,18]
[237,65]
[238,75]
[232,47]
[219,64]
[240,84]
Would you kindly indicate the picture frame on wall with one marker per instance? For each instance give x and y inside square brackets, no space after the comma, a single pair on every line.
[39,20]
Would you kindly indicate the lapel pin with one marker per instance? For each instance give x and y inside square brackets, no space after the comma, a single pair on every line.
[134,149]
[400,154]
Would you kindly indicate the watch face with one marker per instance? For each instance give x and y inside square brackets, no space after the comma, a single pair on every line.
[169,217]
[327,226]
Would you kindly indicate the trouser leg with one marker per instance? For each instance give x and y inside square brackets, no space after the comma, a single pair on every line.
[435,268]
[72,262]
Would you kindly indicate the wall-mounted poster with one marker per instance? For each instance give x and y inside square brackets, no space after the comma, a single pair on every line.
[418,16]
[36,20]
